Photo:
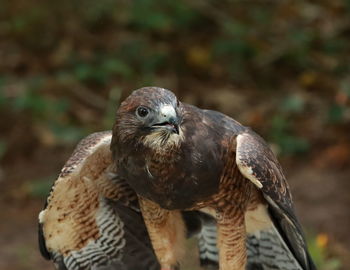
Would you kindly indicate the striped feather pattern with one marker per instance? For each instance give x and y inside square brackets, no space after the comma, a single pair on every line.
[92,219]
[266,249]
[104,250]
[208,251]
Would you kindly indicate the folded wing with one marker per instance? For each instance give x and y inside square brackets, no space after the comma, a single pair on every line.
[91,219]
[258,164]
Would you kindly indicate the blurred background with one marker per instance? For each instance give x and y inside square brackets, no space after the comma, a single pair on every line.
[281,67]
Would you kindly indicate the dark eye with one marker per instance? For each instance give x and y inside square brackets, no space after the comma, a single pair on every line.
[142,111]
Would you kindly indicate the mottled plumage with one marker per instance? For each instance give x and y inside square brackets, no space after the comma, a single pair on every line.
[185,158]
[68,223]
[92,218]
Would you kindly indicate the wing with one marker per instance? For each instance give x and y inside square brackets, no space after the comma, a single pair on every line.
[257,163]
[265,250]
[91,219]
[207,242]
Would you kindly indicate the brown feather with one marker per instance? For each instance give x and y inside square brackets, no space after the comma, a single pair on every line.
[210,167]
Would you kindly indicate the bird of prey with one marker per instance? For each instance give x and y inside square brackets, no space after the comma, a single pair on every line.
[92,219]
[179,157]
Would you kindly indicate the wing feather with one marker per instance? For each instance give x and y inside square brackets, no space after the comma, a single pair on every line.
[257,163]
[91,219]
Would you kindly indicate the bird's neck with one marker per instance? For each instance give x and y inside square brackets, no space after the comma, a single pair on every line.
[158,149]
[165,154]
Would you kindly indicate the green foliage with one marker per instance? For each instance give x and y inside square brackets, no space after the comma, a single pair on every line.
[162,16]
[65,133]
[2,96]
[100,71]
[282,134]
[95,12]
[113,102]
[336,113]
[3,148]
[146,63]
[293,104]
[31,101]
[104,45]
[37,188]
[43,110]
[320,254]
[283,126]
[338,110]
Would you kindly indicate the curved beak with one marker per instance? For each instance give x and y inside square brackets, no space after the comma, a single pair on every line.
[167,119]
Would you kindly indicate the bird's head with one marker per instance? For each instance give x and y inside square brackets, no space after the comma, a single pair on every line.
[150,116]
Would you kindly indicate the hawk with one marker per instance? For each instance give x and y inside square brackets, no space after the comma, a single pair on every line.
[92,219]
[179,157]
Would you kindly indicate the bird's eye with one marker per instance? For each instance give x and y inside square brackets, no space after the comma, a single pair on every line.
[142,111]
